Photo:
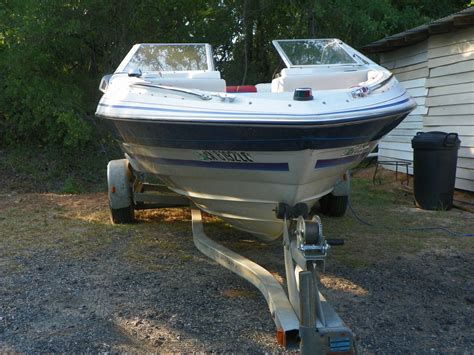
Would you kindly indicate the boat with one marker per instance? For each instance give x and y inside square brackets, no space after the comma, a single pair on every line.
[237,152]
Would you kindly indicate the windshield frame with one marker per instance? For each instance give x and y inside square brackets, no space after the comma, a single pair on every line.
[209,58]
[351,52]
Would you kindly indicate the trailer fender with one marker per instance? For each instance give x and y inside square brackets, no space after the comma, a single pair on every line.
[119,182]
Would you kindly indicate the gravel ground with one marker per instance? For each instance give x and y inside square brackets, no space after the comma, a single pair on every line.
[71,282]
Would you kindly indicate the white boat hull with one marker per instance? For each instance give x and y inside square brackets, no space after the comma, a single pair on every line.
[246,198]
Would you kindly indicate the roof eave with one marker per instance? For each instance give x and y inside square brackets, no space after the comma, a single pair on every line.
[461,19]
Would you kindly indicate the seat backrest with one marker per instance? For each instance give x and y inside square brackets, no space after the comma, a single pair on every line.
[291,79]
[208,81]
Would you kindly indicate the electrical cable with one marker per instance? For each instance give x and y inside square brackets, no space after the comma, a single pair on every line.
[412,229]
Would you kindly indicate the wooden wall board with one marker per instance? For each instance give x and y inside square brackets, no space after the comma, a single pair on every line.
[455,120]
[461,130]
[461,67]
[452,79]
[450,59]
[451,48]
[452,89]
[413,74]
[463,109]
[415,83]
[449,100]
[450,38]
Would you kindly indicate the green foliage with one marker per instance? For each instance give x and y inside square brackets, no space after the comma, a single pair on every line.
[72,186]
[42,97]
[53,53]
[33,168]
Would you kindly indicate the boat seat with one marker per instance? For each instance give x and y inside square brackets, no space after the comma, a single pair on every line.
[200,84]
[208,81]
[241,88]
[293,78]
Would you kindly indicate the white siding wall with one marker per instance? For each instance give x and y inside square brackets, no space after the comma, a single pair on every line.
[410,66]
[450,98]
[439,74]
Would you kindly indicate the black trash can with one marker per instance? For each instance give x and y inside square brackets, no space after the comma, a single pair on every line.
[435,156]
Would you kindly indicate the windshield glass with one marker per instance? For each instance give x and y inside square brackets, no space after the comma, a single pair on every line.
[313,52]
[169,57]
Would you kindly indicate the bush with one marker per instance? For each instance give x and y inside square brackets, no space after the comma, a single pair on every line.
[42,101]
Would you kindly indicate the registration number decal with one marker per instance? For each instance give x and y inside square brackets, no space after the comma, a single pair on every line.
[224,155]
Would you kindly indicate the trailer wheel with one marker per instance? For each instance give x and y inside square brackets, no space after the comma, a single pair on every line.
[119,181]
[334,206]
[122,215]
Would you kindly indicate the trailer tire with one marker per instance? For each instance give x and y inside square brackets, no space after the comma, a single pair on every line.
[119,181]
[122,215]
[334,206]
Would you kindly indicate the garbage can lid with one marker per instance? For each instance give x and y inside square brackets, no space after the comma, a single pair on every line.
[435,140]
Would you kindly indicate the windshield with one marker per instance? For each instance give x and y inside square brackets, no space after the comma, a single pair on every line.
[301,52]
[168,57]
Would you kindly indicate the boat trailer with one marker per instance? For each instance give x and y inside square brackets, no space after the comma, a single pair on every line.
[303,316]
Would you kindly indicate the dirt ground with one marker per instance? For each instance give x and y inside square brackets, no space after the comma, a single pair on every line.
[72,282]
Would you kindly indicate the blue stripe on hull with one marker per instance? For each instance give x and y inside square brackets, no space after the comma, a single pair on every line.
[215,165]
[326,163]
[251,137]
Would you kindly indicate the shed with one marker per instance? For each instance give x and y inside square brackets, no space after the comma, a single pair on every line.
[435,63]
